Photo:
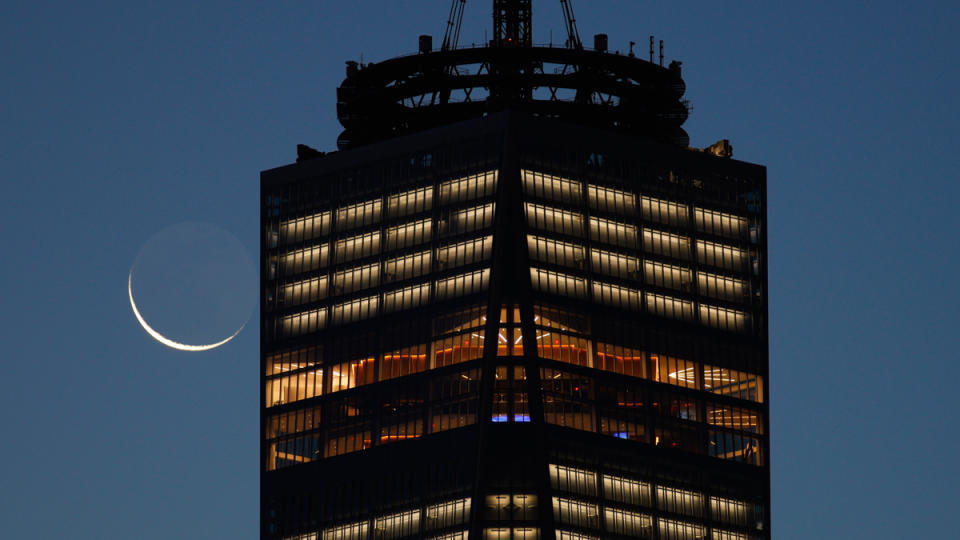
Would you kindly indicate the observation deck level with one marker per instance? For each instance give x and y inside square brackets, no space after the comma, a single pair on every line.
[594,87]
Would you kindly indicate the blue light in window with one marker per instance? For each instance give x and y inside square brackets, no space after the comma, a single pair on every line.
[521,418]
[499,418]
[622,435]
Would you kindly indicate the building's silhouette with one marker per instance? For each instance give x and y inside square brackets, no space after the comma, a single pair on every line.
[514,304]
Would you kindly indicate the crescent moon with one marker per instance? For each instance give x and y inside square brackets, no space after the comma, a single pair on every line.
[169,342]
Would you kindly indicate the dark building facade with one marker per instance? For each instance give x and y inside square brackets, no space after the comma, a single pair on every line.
[514,324]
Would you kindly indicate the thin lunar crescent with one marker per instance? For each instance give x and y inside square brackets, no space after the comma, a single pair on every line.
[169,342]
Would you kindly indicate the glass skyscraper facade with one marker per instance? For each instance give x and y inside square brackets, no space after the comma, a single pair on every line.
[514,305]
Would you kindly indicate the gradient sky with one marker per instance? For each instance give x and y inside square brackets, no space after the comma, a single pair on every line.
[119,119]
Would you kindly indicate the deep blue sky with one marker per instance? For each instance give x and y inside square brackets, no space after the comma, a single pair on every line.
[119,118]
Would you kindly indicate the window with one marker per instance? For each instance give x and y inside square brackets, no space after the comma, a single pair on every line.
[304,322]
[302,292]
[556,283]
[577,513]
[352,374]
[468,188]
[546,186]
[410,202]
[723,318]
[304,260]
[666,244]
[678,530]
[405,361]
[356,247]
[407,266]
[446,514]
[662,211]
[626,490]
[555,252]
[628,523]
[619,359]
[554,220]
[463,284]
[352,531]
[615,264]
[735,447]
[721,256]
[734,418]
[406,298]
[397,525]
[670,307]
[355,279]
[617,296]
[611,200]
[457,349]
[355,310]
[304,228]
[359,214]
[679,501]
[291,388]
[729,382]
[563,348]
[468,220]
[721,287]
[730,511]
[409,234]
[573,480]
[720,224]
[464,253]
[667,275]
[613,232]
[675,371]
[293,360]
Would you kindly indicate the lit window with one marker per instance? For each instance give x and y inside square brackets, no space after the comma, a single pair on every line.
[721,287]
[613,232]
[551,187]
[407,266]
[573,480]
[304,322]
[352,374]
[355,279]
[397,525]
[670,307]
[667,275]
[357,247]
[304,260]
[663,211]
[723,318]
[627,523]
[626,490]
[289,389]
[666,244]
[355,310]
[467,220]
[678,530]
[304,228]
[302,292]
[616,296]
[611,200]
[410,202]
[358,215]
[463,284]
[720,224]
[720,255]
[554,220]
[557,283]
[615,264]
[409,234]
[446,514]
[406,298]
[351,531]
[468,188]
[679,501]
[464,253]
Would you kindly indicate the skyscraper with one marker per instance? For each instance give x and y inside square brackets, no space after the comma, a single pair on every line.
[514,304]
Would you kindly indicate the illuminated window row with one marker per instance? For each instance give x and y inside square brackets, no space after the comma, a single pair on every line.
[304,228]
[515,533]
[627,298]
[395,269]
[635,493]
[398,205]
[612,200]
[626,235]
[628,267]
[410,360]
[364,308]
[551,187]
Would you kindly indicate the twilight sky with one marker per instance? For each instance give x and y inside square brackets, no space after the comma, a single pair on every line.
[122,119]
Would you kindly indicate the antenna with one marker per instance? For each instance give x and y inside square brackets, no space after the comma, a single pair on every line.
[661,53]
[651,49]
[571,23]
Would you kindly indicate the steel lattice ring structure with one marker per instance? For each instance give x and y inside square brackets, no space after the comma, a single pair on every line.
[416,92]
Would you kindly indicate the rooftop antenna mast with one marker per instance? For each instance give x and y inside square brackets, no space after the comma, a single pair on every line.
[452,36]
[573,36]
[512,26]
